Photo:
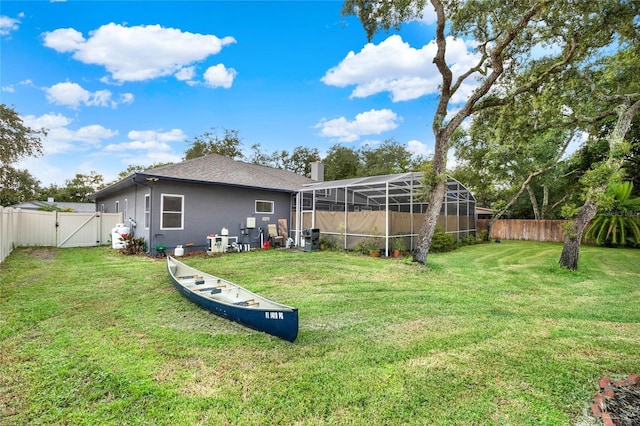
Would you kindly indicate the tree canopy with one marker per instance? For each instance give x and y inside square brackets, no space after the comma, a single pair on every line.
[538,39]
[18,141]
[210,142]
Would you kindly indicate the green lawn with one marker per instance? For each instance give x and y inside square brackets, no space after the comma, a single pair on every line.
[487,334]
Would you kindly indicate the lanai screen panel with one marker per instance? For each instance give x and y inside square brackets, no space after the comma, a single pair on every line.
[396,205]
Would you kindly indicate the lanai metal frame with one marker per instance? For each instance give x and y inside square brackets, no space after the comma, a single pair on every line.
[401,192]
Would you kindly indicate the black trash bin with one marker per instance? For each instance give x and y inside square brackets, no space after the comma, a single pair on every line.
[311,239]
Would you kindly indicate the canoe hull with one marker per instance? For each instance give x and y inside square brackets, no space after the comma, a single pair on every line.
[274,319]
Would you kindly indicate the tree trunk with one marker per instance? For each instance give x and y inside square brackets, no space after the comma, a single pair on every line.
[545,202]
[444,131]
[428,227]
[534,203]
[573,235]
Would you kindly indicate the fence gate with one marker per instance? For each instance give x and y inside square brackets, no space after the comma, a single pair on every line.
[84,229]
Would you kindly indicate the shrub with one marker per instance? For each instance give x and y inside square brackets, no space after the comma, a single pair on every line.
[617,225]
[471,240]
[399,244]
[441,241]
[132,245]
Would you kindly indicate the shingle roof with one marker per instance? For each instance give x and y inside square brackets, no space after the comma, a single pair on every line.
[214,168]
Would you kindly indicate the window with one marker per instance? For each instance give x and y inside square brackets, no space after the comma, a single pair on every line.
[171,207]
[147,210]
[264,206]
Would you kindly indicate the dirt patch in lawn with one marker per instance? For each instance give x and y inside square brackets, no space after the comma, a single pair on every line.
[45,254]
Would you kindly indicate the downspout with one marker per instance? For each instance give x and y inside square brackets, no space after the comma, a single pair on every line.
[151,243]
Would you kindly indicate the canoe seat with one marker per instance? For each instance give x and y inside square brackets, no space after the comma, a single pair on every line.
[248,302]
[213,290]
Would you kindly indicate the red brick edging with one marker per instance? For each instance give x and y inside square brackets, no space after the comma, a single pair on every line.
[607,391]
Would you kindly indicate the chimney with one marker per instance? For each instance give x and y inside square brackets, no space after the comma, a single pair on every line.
[317,171]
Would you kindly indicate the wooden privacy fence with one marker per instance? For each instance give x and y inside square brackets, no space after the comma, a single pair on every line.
[53,229]
[525,229]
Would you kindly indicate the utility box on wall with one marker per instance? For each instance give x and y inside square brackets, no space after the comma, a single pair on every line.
[251,222]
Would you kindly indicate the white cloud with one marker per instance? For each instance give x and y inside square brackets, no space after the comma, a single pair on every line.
[185,74]
[428,15]
[395,67]
[372,122]
[137,53]
[416,147]
[65,40]
[126,98]
[47,121]
[9,89]
[8,24]
[73,95]
[69,94]
[148,140]
[219,76]
[143,147]
[93,134]
[60,138]
[101,98]
[146,147]
[173,135]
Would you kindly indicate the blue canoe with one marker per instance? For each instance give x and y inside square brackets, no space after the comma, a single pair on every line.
[234,302]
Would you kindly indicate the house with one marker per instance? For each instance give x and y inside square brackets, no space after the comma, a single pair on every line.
[484,212]
[184,203]
[51,204]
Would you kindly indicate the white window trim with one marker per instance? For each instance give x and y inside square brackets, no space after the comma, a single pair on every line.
[162,212]
[264,201]
[147,210]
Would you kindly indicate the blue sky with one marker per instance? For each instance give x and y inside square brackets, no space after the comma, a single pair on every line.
[131,82]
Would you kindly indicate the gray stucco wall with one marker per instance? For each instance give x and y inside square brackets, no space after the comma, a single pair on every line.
[129,205]
[207,209]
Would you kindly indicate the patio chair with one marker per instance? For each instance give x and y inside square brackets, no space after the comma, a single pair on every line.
[276,240]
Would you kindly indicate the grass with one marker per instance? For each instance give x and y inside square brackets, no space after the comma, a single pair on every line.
[487,334]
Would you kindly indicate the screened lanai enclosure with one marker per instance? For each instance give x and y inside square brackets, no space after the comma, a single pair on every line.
[380,208]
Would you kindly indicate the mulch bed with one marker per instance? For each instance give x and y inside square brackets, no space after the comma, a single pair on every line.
[618,402]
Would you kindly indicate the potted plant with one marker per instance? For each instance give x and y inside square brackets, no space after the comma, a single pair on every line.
[324,244]
[370,246]
[399,246]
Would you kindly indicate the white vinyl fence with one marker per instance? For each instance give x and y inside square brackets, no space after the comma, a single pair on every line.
[53,229]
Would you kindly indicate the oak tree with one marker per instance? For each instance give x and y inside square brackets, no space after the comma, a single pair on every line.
[504,34]
[17,141]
